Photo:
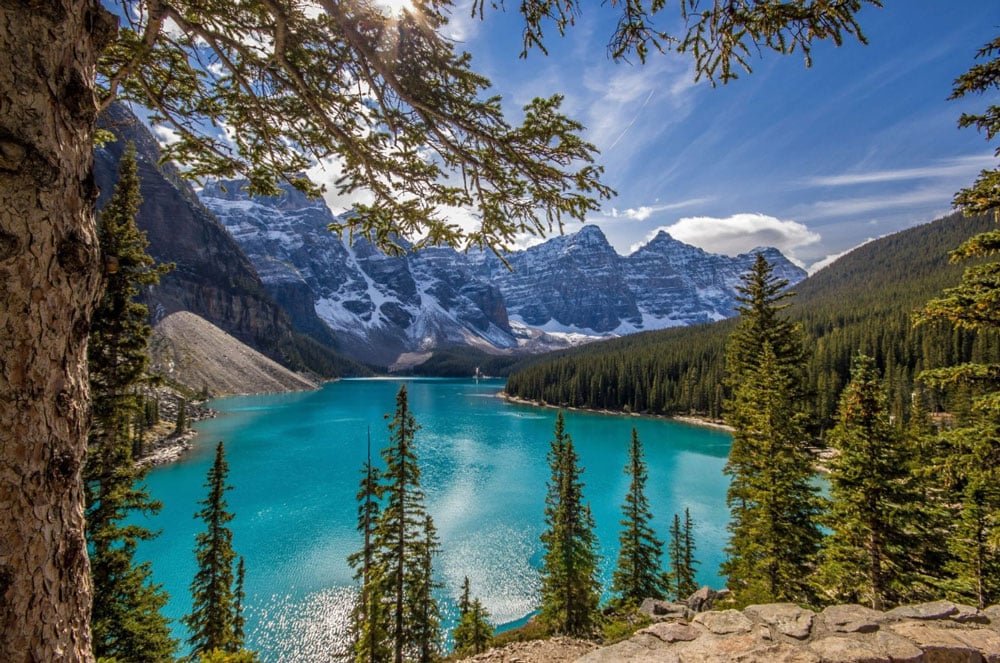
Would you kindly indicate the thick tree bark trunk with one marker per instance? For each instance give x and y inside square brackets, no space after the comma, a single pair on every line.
[49,278]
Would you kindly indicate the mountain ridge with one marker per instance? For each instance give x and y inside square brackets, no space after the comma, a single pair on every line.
[569,289]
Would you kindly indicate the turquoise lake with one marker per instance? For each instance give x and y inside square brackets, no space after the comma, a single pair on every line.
[295,462]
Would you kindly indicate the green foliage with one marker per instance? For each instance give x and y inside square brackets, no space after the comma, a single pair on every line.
[570,589]
[473,634]
[637,575]
[621,623]
[126,621]
[719,39]
[680,579]
[222,656]
[772,502]
[288,77]
[180,425]
[396,615]
[873,522]
[215,620]
[984,194]
[680,371]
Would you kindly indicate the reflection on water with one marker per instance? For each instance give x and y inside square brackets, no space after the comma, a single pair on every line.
[295,462]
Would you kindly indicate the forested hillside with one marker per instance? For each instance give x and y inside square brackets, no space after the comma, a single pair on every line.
[863,302]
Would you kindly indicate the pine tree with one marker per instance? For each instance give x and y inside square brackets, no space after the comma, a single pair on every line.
[473,634]
[867,556]
[181,424]
[681,579]
[404,542]
[638,575]
[212,621]
[973,535]
[239,602]
[369,616]
[126,618]
[974,542]
[425,623]
[773,506]
[570,588]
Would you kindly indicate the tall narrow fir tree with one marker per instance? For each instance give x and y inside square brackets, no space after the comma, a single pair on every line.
[638,574]
[213,617]
[126,621]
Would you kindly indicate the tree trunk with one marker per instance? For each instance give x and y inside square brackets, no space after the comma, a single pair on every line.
[49,279]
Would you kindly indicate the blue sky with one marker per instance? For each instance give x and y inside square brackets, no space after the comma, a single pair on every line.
[812,160]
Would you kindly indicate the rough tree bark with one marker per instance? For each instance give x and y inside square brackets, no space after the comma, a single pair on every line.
[49,279]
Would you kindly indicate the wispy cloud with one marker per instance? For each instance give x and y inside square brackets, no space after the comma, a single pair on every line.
[846,207]
[964,166]
[740,233]
[645,211]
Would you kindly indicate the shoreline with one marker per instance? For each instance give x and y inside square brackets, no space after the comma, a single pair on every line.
[701,422]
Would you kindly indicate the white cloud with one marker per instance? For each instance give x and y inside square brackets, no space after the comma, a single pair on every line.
[963,167]
[740,233]
[165,134]
[846,207]
[645,211]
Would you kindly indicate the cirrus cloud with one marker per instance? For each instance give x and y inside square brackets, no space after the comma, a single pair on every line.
[740,233]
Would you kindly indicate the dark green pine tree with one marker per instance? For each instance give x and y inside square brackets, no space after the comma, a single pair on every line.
[473,634]
[570,590]
[867,558]
[401,538]
[973,539]
[213,618]
[773,504]
[681,580]
[425,625]
[126,621]
[369,618]
[638,574]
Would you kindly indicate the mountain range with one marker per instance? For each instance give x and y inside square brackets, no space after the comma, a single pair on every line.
[380,308]
[268,271]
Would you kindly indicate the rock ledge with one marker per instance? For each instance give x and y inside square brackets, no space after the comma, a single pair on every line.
[785,633]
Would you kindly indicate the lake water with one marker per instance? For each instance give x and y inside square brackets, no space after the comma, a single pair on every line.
[295,462]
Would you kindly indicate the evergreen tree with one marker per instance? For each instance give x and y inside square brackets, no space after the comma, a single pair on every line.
[181,424]
[213,618]
[404,542]
[681,580]
[570,587]
[974,539]
[867,558]
[973,502]
[425,623]
[473,634]
[239,601]
[369,616]
[773,506]
[638,575]
[126,620]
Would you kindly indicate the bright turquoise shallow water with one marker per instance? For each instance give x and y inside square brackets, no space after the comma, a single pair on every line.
[295,461]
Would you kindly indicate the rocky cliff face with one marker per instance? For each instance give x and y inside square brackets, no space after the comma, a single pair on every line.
[374,305]
[212,277]
[570,289]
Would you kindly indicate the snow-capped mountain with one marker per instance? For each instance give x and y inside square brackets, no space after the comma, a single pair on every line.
[377,307]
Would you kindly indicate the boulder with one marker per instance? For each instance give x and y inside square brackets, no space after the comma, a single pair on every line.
[850,618]
[660,611]
[724,622]
[705,598]
[784,618]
